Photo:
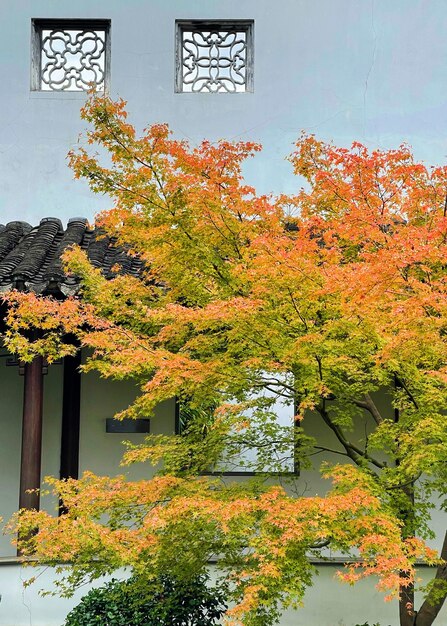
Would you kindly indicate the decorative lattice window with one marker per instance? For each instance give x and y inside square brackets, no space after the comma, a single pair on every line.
[214,57]
[70,55]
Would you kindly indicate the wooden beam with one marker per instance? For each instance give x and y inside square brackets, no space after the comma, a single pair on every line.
[71,411]
[31,435]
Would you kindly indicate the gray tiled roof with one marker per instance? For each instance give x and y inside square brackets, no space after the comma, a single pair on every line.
[30,257]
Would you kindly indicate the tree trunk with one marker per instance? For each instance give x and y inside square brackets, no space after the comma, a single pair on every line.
[432,604]
[407,515]
[406,606]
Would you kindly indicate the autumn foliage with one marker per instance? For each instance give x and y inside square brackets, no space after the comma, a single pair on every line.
[324,299]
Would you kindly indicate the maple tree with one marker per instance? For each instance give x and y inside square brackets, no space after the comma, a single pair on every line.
[333,301]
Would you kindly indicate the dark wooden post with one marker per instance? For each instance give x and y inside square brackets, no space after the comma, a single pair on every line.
[71,408]
[31,434]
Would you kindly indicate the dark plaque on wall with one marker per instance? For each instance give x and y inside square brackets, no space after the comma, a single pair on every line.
[127,425]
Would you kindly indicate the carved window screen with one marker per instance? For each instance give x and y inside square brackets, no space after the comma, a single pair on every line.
[70,55]
[214,57]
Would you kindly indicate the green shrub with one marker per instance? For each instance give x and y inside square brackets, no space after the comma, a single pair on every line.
[136,602]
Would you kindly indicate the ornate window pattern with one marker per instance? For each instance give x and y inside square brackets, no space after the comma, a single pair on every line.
[214,57]
[70,55]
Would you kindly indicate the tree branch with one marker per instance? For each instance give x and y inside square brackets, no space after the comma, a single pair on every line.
[433,602]
[323,449]
[368,404]
[355,453]
[401,383]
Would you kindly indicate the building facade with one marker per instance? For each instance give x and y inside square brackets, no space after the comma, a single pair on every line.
[372,71]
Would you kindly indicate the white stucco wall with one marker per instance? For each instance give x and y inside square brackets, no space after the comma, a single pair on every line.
[370,70]
[328,603]
[11,394]
[101,452]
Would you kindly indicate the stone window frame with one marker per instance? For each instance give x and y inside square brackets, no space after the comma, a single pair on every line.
[40,24]
[246,25]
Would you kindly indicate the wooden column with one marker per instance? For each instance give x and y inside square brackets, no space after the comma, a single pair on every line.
[31,434]
[71,410]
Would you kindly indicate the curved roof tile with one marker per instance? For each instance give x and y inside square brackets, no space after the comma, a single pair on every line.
[31,257]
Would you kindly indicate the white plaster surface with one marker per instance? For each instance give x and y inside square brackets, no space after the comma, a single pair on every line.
[328,603]
[370,70]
